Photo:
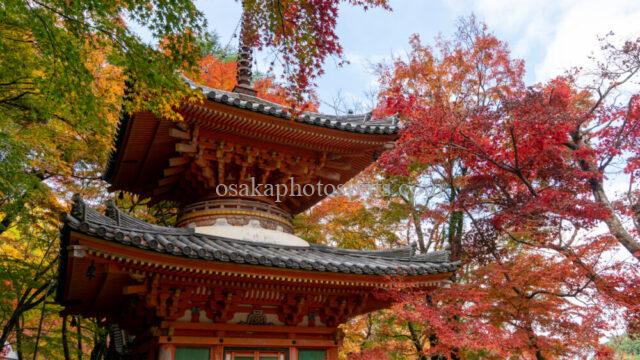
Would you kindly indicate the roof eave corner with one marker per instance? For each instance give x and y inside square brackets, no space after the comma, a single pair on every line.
[110,168]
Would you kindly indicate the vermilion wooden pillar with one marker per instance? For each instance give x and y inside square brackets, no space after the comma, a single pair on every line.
[293,353]
[217,352]
[332,353]
[167,352]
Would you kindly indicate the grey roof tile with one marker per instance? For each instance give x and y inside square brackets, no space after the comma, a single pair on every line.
[119,227]
[361,123]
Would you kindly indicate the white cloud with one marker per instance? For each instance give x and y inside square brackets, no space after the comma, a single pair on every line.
[554,35]
[578,31]
[550,35]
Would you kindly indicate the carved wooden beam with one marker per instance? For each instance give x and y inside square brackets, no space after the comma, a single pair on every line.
[186,148]
[179,134]
[180,160]
[134,289]
[174,170]
[293,309]
[206,172]
[219,308]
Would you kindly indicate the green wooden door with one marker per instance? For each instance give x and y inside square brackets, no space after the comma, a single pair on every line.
[185,353]
[312,354]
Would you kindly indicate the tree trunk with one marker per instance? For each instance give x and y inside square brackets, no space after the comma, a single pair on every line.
[99,343]
[27,301]
[368,333]
[415,340]
[6,222]
[79,334]
[19,326]
[454,237]
[455,234]
[40,323]
[533,342]
[65,339]
[417,224]
[613,222]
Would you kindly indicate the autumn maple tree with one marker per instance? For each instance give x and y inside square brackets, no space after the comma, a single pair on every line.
[513,180]
[545,151]
[304,34]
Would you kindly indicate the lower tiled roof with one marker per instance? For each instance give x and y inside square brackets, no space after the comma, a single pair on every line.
[116,226]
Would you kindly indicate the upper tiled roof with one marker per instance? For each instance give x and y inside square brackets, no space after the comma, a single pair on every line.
[358,123]
[119,227]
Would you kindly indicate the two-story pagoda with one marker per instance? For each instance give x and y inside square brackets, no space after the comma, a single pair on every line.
[232,281]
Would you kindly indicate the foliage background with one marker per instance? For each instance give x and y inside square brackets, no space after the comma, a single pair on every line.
[68,70]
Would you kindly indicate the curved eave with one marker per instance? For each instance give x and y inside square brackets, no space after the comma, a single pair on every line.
[117,227]
[180,243]
[115,240]
[116,152]
[190,269]
[359,129]
[213,115]
[360,124]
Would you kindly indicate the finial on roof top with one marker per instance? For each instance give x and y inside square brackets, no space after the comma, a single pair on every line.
[245,57]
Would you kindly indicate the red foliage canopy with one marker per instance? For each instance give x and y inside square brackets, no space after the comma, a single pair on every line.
[221,75]
[304,33]
[528,167]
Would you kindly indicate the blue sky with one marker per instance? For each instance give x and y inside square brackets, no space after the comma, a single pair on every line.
[550,35]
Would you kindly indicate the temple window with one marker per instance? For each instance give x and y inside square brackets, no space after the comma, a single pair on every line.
[252,354]
[312,354]
[192,353]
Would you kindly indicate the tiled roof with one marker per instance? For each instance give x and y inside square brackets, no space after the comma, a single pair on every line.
[116,226]
[355,123]
[358,123]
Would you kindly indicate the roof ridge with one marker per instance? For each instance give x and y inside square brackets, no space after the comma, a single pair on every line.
[116,217]
[350,122]
[394,253]
[173,241]
[125,220]
[436,256]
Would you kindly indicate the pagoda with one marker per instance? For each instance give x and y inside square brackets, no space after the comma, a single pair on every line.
[231,281]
